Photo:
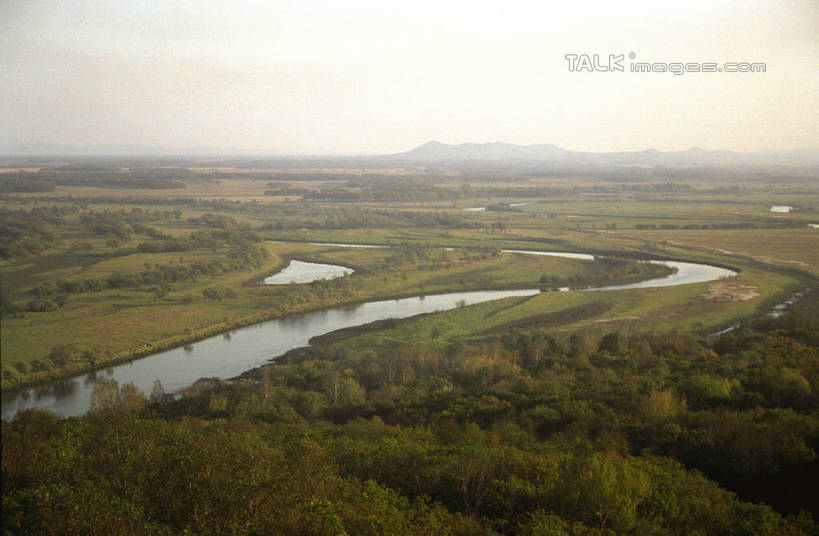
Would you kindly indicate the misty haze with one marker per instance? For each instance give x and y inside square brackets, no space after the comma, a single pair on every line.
[421,268]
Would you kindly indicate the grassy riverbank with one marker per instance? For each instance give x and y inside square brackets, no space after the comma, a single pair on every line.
[91,329]
[97,280]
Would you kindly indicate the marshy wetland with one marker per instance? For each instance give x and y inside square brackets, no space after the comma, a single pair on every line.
[241,350]
[170,265]
[627,316]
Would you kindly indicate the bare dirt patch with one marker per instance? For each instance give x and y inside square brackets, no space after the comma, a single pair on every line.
[731,292]
[617,319]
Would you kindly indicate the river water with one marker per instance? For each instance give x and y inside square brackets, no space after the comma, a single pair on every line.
[227,356]
[307,272]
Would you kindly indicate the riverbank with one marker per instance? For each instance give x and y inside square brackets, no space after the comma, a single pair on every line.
[245,348]
[329,294]
[427,303]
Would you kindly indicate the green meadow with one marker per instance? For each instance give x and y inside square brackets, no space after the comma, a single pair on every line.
[105,280]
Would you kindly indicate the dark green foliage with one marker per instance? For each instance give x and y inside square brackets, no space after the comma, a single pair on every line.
[28,232]
[116,474]
[24,183]
[556,318]
[46,179]
[42,305]
[218,293]
[534,435]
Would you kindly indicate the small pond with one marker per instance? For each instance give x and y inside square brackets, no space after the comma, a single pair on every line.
[299,272]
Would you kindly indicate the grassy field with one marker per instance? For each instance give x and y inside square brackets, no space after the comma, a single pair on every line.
[797,248]
[693,307]
[112,324]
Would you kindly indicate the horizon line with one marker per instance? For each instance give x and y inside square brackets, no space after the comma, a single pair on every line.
[148,151]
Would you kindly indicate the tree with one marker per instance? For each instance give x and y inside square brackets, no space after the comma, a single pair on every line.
[341,389]
[660,406]
[158,395]
[612,343]
[109,397]
[131,399]
[603,491]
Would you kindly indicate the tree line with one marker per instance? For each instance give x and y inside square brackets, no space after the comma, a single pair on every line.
[526,434]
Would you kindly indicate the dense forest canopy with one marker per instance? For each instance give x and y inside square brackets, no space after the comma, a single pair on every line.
[531,435]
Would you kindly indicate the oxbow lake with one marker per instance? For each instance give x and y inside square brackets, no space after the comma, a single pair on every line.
[298,272]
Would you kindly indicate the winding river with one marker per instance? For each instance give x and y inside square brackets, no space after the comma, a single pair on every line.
[228,355]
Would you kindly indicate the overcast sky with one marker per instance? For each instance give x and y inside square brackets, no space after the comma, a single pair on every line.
[380,77]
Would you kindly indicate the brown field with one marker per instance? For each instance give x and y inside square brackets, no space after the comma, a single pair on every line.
[796,248]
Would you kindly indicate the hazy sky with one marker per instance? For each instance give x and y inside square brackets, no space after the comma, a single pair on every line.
[378,77]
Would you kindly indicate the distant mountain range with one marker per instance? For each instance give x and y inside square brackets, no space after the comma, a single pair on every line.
[437,152]
[441,152]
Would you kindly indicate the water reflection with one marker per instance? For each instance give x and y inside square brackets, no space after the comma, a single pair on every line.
[247,348]
[243,349]
[90,378]
[299,272]
[59,389]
